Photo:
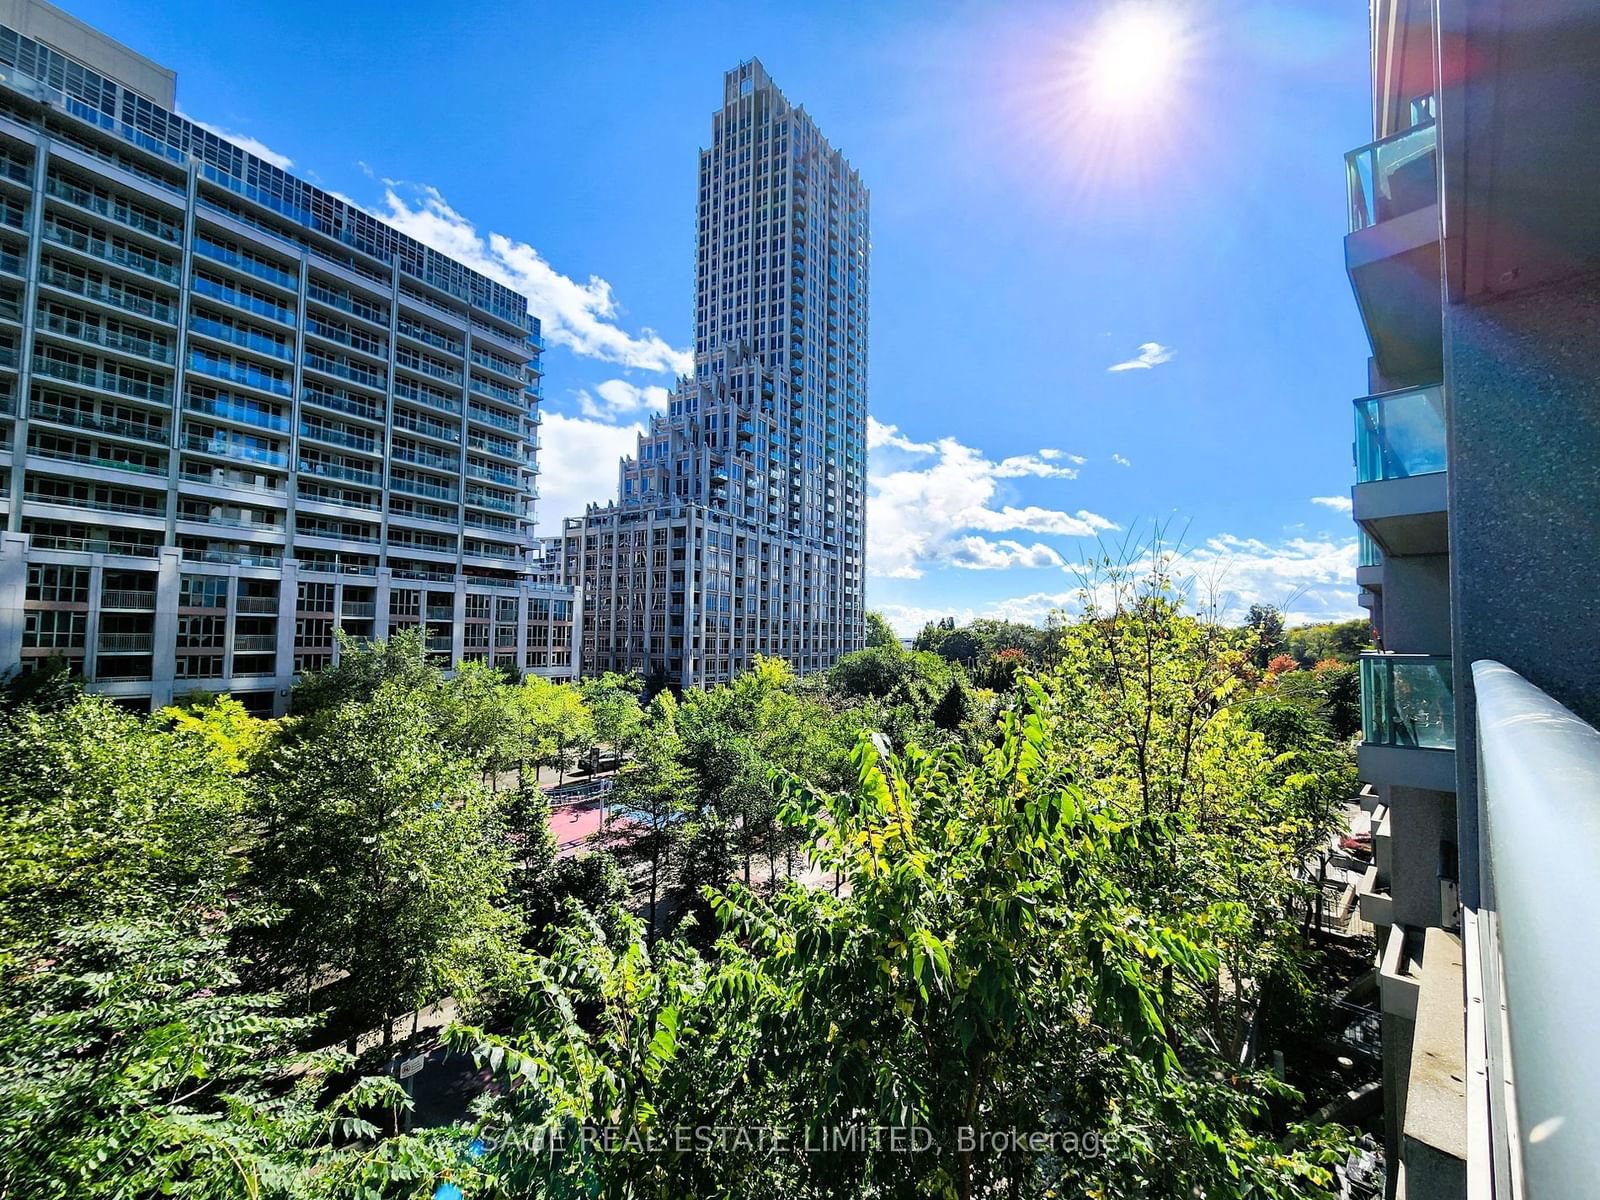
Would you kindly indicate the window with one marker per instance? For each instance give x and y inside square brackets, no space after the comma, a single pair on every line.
[199,666]
[56,584]
[200,633]
[203,591]
[312,632]
[316,597]
[55,630]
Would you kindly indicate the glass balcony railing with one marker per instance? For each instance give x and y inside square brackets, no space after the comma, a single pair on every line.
[223,447]
[1393,177]
[245,414]
[1400,434]
[1371,555]
[1408,700]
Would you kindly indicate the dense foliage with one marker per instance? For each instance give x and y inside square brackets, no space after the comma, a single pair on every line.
[1000,915]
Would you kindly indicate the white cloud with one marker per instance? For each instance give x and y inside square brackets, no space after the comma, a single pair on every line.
[927,510]
[617,398]
[981,554]
[579,465]
[1032,464]
[244,141]
[908,619]
[1120,461]
[880,435]
[1034,519]
[1151,354]
[1309,578]
[580,316]
[1337,503]
[1052,455]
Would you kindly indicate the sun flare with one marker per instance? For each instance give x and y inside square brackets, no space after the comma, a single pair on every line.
[1133,58]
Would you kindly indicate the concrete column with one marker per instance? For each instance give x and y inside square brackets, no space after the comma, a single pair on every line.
[458,622]
[288,601]
[91,630]
[163,656]
[576,645]
[382,584]
[524,605]
[13,595]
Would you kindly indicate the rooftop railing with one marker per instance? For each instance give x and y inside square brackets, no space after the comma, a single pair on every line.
[1400,434]
[1538,777]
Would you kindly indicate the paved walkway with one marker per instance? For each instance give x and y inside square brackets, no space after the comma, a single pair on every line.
[575,825]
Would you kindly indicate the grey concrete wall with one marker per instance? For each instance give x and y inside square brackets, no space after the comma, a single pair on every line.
[61,31]
[1523,376]
[1420,820]
[1416,604]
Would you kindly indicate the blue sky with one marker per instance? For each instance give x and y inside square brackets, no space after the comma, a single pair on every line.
[1025,240]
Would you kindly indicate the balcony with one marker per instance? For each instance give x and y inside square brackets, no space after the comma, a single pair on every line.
[1400,496]
[235,557]
[1369,566]
[222,447]
[109,294]
[342,402]
[138,385]
[152,432]
[243,414]
[128,599]
[1408,721]
[114,252]
[126,643]
[329,470]
[93,545]
[99,334]
[1392,249]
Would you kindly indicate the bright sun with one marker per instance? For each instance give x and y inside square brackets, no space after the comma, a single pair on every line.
[1132,58]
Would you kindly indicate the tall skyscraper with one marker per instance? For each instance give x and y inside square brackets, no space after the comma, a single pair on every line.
[237,412]
[740,522]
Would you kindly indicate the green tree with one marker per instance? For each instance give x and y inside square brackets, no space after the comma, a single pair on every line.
[614,706]
[364,667]
[595,883]
[1341,640]
[654,792]
[1267,641]
[879,632]
[988,968]
[233,733]
[51,684]
[933,633]
[1000,672]
[105,816]
[387,860]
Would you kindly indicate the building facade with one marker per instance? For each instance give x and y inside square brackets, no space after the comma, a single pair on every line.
[239,413]
[1474,255]
[739,527]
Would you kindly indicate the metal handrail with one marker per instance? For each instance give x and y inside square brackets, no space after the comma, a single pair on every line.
[1539,793]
